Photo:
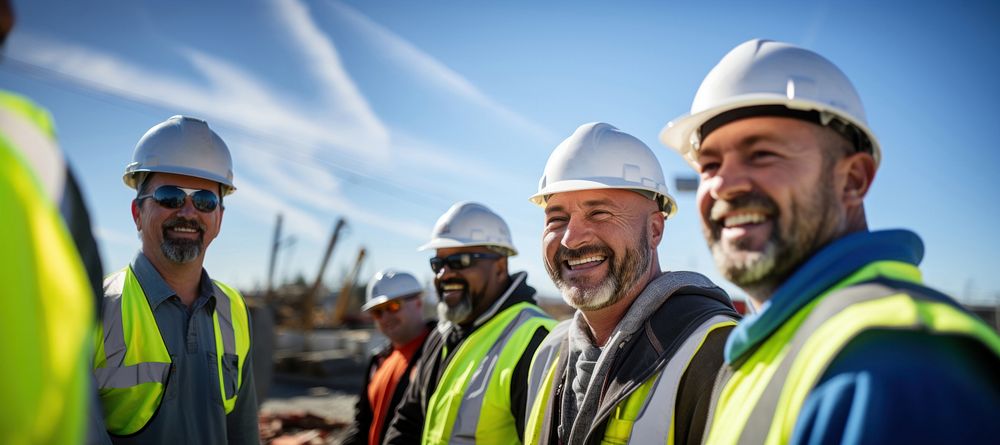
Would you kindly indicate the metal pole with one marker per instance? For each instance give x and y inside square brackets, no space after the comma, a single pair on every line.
[309,303]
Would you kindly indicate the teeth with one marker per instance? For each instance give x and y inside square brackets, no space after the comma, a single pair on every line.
[185,229]
[592,259]
[449,287]
[744,218]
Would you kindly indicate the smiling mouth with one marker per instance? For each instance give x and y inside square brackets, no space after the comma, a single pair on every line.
[584,263]
[741,219]
[451,293]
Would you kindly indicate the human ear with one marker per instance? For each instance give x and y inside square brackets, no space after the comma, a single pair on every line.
[654,226]
[858,171]
[135,213]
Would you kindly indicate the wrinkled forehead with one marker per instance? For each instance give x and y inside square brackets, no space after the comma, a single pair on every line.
[623,199]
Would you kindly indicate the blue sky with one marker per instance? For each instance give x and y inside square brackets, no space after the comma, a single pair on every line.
[387,112]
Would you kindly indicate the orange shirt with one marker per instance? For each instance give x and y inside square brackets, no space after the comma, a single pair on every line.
[382,385]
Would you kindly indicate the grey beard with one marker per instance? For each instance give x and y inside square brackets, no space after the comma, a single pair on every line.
[181,251]
[456,314]
[622,275]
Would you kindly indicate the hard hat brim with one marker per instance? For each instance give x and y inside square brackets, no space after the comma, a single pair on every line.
[449,243]
[129,176]
[677,134]
[379,300]
[573,185]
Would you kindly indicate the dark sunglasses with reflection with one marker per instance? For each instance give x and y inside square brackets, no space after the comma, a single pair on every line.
[460,261]
[173,197]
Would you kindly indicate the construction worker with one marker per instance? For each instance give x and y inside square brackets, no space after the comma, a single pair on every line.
[50,271]
[848,346]
[173,359]
[469,385]
[395,301]
[637,361]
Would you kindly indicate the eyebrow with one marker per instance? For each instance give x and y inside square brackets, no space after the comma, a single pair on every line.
[746,141]
[552,208]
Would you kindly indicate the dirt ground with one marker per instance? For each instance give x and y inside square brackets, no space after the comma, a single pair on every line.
[303,413]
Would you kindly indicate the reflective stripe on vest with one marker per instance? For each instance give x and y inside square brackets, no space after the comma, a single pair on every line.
[131,380]
[647,414]
[29,129]
[472,401]
[767,392]
[48,306]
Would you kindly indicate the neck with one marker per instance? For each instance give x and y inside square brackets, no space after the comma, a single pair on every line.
[603,321]
[761,291]
[183,278]
[413,336]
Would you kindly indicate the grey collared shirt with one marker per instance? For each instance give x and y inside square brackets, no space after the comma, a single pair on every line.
[191,411]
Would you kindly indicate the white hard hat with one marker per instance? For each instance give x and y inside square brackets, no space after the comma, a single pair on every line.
[758,75]
[468,224]
[185,146]
[599,156]
[388,285]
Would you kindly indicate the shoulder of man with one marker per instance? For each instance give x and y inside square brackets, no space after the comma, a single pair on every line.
[689,307]
[905,387]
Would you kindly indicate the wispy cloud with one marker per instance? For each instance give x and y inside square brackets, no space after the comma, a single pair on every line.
[225,92]
[436,72]
[302,191]
[338,116]
[323,61]
[437,162]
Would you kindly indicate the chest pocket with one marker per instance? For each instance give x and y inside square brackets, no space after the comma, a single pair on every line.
[230,374]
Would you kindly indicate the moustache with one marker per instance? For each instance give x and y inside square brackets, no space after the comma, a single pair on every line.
[750,201]
[441,284]
[182,223]
[565,254]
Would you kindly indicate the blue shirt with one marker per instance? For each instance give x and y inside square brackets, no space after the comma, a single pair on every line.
[885,386]
[192,411]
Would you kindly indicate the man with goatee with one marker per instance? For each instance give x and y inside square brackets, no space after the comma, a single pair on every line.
[470,385]
[172,361]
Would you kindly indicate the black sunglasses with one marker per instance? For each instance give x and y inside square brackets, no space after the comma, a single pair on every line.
[172,197]
[460,260]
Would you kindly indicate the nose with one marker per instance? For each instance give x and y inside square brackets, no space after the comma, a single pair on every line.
[188,208]
[732,179]
[577,233]
[444,272]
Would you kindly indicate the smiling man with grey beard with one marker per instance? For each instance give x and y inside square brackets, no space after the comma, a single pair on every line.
[614,373]
[469,385]
[173,364]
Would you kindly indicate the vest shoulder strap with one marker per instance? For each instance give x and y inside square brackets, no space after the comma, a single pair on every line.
[759,424]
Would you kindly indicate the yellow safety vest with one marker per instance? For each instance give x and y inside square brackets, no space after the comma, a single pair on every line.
[647,415]
[472,401]
[48,303]
[761,401]
[131,363]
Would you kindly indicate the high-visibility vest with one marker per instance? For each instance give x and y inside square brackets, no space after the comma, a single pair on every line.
[48,301]
[131,364]
[647,415]
[761,401]
[472,401]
